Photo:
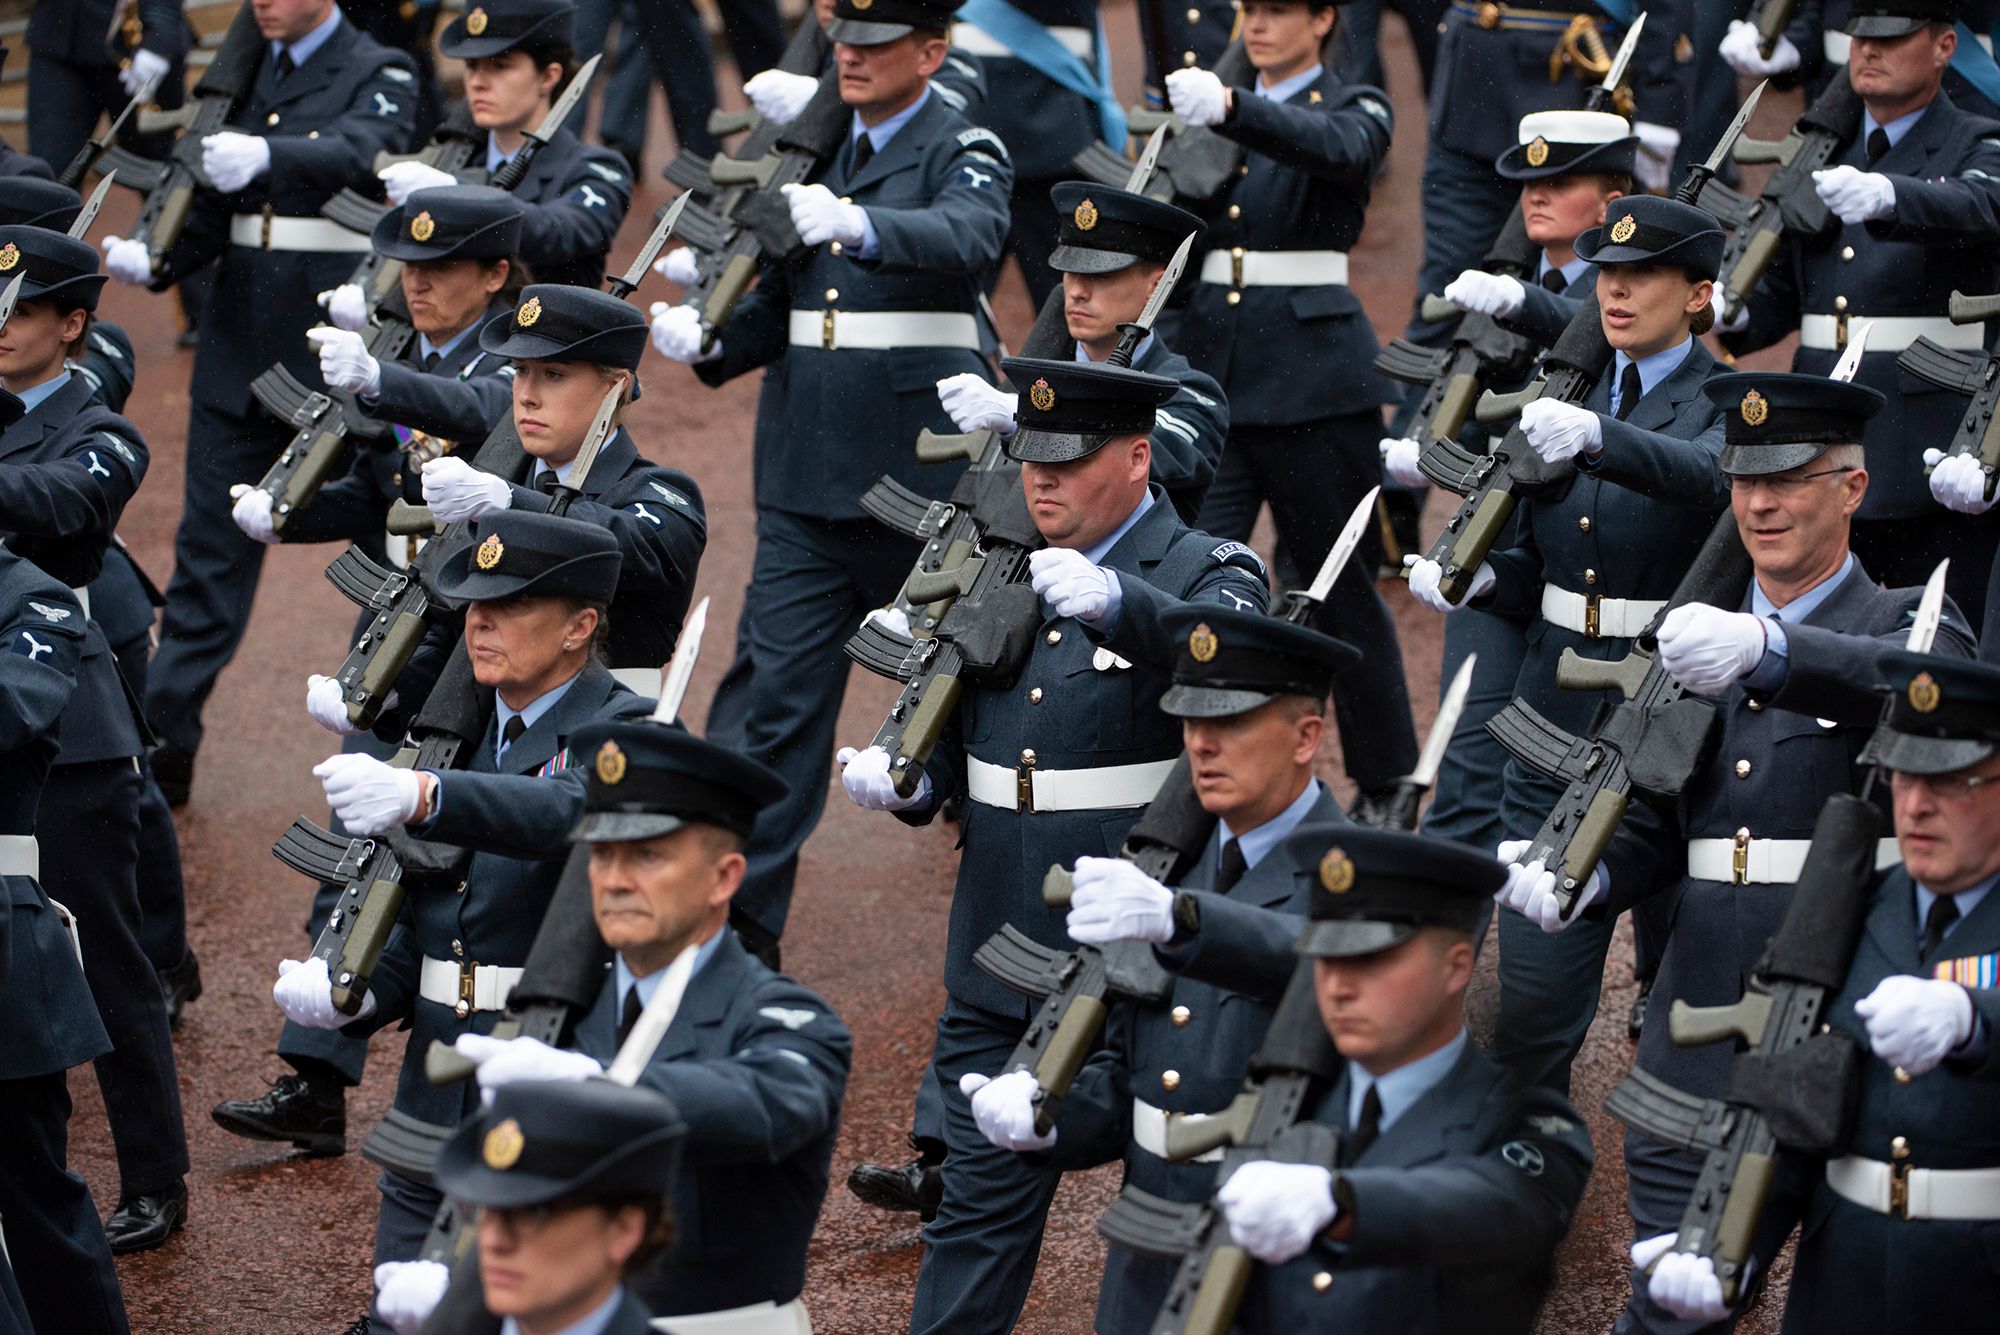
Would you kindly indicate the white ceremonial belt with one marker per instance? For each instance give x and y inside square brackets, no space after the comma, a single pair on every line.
[1149,1130]
[1599,618]
[1835,44]
[313,234]
[476,987]
[765,1318]
[1747,861]
[1102,789]
[1889,333]
[1238,267]
[642,680]
[20,855]
[1916,1193]
[976,41]
[833,330]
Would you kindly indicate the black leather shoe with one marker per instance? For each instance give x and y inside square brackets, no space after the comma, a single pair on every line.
[181,984]
[143,1222]
[360,1327]
[1635,1019]
[290,1112]
[916,1186]
[173,770]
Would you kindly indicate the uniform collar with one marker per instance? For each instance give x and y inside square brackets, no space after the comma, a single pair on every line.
[1967,901]
[1896,128]
[1261,840]
[1803,606]
[1290,88]
[1097,551]
[627,980]
[1570,272]
[302,50]
[1138,353]
[595,1323]
[530,716]
[1403,1086]
[1653,369]
[444,349]
[33,398]
[880,135]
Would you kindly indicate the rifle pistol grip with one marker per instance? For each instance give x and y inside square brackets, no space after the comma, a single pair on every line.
[1434,309]
[1058,887]
[1692,1026]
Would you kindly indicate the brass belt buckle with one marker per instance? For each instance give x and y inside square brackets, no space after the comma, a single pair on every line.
[1899,1190]
[1236,266]
[267,226]
[826,330]
[1024,784]
[467,973]
[1739,862]
[1590,611]
[1840,332]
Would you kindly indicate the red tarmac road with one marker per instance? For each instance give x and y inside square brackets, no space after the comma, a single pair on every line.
[279,1243]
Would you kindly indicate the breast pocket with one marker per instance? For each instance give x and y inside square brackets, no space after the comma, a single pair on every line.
[1807,749]
[1324,303]
[1101,693]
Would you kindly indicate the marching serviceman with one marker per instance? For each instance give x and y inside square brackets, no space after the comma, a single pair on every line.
[901,227]
[1061,762]
[88,58]
[1250,691]
[326,100]
[1273,320]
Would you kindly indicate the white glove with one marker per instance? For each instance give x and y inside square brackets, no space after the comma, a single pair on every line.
[865,776]
[305,994]
[1485,293]
[1531,890]
[1958,482]
[1725,323]
[407,1292]
[1004,1108]
[1072,587]
[1197,96]
[677,334]
[455,490]
[327,706]
[1681,1282]
[1855,195]
[891,619]
[678,267]
[506,1061]
[252,513]
[143,72]
[1706,648]
[1740,49]
[1275,1210]
[368,795]
[1655,163]
[403,179]
[1399,460]
[1560,431]
[1426,574]
[1115,901]
[346,307]
[231,161]
[974,405]
[344,360]
[779,96]
[819,215]
[1915,1023]
[127,261]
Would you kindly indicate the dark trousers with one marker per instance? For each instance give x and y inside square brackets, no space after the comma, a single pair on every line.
[1549,987]
[54,1241]
[1359,38]
[1465,206]
[621,121]
[1313,474]
[1031,237]
[1465,801]
[89,820]
[408,1206]
[215,570]
[811,583]
[679,48]
[1659,1179]
[1902,553]
[980,1251]
[64,104]
[162,891]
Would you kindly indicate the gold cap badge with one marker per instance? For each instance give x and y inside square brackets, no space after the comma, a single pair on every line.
[531,311]
[489,553]
[1622,230]
[1538,151]
[610,763]
[10,255]
[503,1145]
[1336,871]
[1041,396]
[422,227]
[1925,695]
[1202,643]
[1756,409]
[864,4]
[1085,216]
[475,22]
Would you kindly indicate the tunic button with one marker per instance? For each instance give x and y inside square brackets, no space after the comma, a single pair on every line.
[1233,298]
[398,479]
[1189,59]
[271,119]
[1847,252]
[1840,303]
[461,1010]
[833,246]
[1035,696]
[1182,1015]
[1027,756]
[312,134]
[1902,1076]
[457,947]
[1322,1282]
[1236,210]
[1899,1148]
[1583,523]
[1742,769]
[1243,169]
[1590,577]
[1170,1080]
[833,294]
[847,199]
[1194,16]
[1755,708]
[1054,637]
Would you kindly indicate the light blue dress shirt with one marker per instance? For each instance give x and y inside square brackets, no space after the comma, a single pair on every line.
[1652,370]
[302,50]
[592,1324]
[1287,88]
[32,397]
[536,707]
[1775,665]
[1401,1087]
[627,980]
[1256,843]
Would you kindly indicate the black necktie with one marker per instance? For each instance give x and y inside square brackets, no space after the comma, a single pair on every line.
[630,1015]
[546,481]
[1944,912]
[1878,144]
[1630,391]
[431,359]
[1555,281]
[511,733]
[1232,867]
[1366,1127]
[285,62]
[864,149]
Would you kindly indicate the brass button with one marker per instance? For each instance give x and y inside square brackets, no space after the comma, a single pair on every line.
[1236,252]
[271,119]
[461,1010]
[1236,210]
[1243,169]
[1054,637]
[458,947]
[1847,252]
[1190,59]
[1194,15]
[1742,833]
[1902,1076]
[833,246]
[1181,1015]
[1755,708]
[1322,1282]
[398,479]
[1590,577]
[833,294]
[1170,1080]
[1742,769]
[847,199]
[1027,756]
[1233,298]
[312,134]
[1899,1148]
[1583,523]
[1840,304]
[1035,696]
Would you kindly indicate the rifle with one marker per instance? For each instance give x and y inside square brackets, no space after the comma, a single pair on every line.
[372,871]
[325,420]
[1788,202]
[1195,164]
[806,53]
[1974,374]
[1492,484]
[96,146]
[1771,18]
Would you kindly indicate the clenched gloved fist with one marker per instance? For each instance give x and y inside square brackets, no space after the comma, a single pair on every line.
[368,795]
[1560,431]
[407,1292]
[1197,96]
[143,72]
[1706,648]
[403,179]
[127,261]
[1066,580]
[1115,901]
[252,513]
[506,1061]
[1741,47]
[1958,482]
[677,334]
[1399,461]
[1725,323]
[1004,1109]
[974,405]
[819,215]
[1681,1282]
[346,307]
[455,490]
[779,96]
[344,360]
[1426,575]
[305,994]
[328,706]
[1855,195]
[231,161]
[678,267]
[891,619]
[1915,1023]
[1531,890]
[1275,1210]
[865,776]
[1485,293]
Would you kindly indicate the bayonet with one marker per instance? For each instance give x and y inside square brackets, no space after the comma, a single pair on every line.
[601,427]
[572,93]
[1401,813]
[1623,60]
[1930,611]
[1131,335]
[1724,145]
[628,282]
[637,1050]
[87,215]
[680,669]
[1344,547]
[8,297]
[73,174]
[1850,358]
[1149,157]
